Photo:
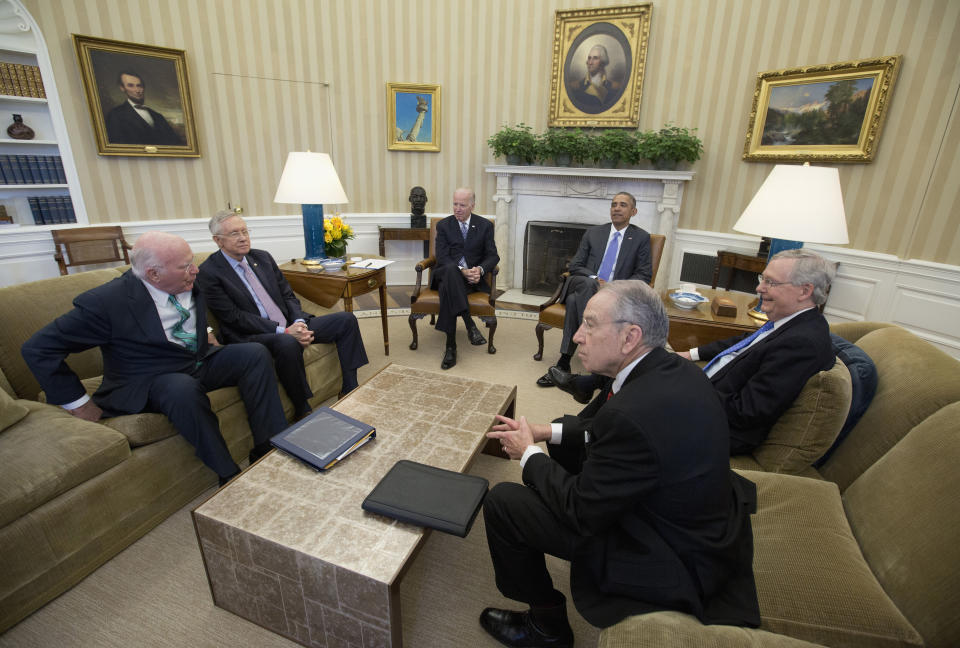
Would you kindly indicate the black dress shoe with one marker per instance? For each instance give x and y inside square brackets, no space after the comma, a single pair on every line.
[518,629]
[259,451]
[224,480]
[476,337]
[545,380]
[567,382]
[449,358]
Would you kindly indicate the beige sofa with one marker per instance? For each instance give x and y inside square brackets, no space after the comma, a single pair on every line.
[867,551]
[73,493]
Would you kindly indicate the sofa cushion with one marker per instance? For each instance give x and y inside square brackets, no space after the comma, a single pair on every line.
[48,453]
[10,410]
[805,431]
[904,512]
[915,379]
[813,583]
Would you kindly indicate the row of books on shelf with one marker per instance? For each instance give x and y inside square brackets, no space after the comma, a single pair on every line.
[32,169]
[21,80]
[52,210]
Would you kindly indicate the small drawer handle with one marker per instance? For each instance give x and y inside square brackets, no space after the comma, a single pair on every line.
[371,283]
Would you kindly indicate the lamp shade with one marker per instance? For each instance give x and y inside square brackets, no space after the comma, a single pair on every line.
[310,179]
[799,203]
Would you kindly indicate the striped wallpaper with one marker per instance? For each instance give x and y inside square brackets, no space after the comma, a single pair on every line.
[271,76]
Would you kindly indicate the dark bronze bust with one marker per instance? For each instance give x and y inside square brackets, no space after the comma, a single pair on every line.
[418,200]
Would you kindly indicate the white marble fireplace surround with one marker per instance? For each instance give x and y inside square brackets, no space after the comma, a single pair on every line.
[578,195]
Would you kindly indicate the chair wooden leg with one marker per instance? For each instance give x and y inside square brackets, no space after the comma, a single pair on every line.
[492,326]
[541,327]
[412,320]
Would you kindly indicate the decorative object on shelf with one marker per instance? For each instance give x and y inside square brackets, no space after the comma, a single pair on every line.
[670,145]
[18,80]
[686,299]
[336,233]
[821,112]
[18,130]
[564,145]
[612,146]
[127,118]
[796,204]
[332,264]
[310,180]
[413,117]
[517,144]
[418,202]
[723,307]
[598,61]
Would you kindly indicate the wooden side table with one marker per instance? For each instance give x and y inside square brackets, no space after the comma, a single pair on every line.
[327,288]
[736,261]
[693,327]
[405,234]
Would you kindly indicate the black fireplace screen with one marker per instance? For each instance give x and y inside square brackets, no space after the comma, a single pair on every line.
[547,249]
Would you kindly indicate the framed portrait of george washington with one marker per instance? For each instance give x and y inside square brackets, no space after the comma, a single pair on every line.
[413,117]
[598,61]
[139,98]
[830,113]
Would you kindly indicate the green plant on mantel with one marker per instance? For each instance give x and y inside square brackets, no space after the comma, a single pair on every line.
[670,145]
[613,145]
[516,143]
[564,145]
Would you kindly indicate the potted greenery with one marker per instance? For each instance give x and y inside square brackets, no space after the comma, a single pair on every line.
[517,144]
[670,145]
[611,146]
[564,145]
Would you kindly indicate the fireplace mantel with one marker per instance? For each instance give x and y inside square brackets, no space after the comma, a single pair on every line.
[568,194]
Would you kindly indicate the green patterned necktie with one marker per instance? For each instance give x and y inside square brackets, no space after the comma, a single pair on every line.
[189,340]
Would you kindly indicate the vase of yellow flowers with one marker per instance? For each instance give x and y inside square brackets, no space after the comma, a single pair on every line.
[336,233]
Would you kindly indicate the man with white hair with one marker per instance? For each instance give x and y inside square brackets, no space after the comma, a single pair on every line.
[595,93]
[150,324]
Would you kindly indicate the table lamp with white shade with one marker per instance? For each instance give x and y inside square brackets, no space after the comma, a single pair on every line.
[310,180]
[794,205]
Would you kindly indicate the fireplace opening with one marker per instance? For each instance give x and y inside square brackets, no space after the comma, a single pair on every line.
[547,249]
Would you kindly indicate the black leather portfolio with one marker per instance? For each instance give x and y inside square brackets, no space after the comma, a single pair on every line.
[427,496]
[323,438]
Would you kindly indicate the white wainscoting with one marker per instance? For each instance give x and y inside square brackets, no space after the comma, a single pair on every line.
[920,296]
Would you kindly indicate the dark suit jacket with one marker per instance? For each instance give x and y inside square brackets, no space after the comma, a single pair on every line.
[478,249]
[664,523]
[233,304]
[633,262]
[758,386]
[125,126]
[120,318]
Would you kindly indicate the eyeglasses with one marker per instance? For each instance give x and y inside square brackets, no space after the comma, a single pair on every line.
[590,326]
[772,284]
[236,234]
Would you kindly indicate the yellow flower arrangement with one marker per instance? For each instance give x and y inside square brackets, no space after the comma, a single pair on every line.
[336,233]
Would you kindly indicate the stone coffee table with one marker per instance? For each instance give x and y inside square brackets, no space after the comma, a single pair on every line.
[290,548]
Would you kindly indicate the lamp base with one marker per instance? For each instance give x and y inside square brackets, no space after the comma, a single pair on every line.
[311,262]
[313,234]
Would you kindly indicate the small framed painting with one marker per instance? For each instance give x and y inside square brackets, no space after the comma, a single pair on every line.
[413,117]
[832,113]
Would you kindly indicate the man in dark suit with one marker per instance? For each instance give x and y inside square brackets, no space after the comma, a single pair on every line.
[636,492]
[134,123]
[759,381]
[465,251]
[150,325]
[254,303]
[617,250]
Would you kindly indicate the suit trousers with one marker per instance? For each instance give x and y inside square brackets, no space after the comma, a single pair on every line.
[520,530]
[336,328]
[182,397]
[579,291]
[453,290]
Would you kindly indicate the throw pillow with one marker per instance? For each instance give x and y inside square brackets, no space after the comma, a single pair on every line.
[10,410]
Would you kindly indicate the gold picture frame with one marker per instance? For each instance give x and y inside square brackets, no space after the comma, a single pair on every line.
[413,117]
[830,113]
[139,98]
[604,91]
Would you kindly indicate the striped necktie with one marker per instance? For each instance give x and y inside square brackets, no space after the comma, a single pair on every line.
[189,340]
[273,311]
[741,344]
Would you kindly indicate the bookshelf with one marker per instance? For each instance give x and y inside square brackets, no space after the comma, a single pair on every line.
[27,89]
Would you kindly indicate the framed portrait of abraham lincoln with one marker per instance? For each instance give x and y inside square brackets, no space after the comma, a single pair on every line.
[598,62]
[139,98]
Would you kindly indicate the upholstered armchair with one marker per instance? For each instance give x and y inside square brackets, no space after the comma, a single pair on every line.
[425,301]
[554,311]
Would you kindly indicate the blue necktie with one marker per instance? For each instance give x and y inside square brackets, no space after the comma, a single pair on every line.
[188,340]
[609,258]
[739,345]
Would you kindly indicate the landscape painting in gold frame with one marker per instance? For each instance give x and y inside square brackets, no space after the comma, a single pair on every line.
[413,117]
[830,113]
[139,98]
[598,61]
